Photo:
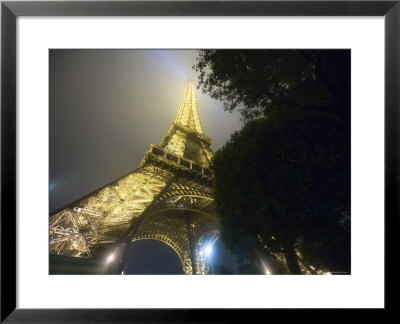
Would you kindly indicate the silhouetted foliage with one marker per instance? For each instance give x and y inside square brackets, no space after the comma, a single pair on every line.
[267,82]
[283,181]
[286,182]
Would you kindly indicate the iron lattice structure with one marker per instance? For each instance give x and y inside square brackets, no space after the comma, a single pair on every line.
[168,198]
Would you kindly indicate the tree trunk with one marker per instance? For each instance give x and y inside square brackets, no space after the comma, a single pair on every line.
[291,259]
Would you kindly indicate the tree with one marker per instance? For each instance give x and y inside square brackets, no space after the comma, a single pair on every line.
[285,178]
[286,181]
[269,82]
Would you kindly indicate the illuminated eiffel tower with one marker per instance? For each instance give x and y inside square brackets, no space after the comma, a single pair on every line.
[167,198]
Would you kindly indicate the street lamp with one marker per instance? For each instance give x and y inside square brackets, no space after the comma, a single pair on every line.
[207,252]
[110,258]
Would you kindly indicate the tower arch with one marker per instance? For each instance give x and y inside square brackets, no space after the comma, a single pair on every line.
[152,255]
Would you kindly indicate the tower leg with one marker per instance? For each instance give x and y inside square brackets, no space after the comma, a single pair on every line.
[191,245]
[121,248]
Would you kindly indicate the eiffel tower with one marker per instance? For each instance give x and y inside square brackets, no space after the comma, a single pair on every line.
[167,198]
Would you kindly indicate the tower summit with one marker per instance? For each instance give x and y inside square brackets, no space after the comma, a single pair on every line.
[168,198]
[185,137]
[188,114]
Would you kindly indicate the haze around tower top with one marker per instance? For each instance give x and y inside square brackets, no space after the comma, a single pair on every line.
[108,106]
[164,54]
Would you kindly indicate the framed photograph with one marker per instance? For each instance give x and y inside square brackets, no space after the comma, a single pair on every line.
[111,113]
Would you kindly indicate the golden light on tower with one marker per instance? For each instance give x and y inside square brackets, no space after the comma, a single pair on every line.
[167,198]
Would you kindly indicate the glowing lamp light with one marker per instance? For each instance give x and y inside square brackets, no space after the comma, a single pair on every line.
[267,271]
[110,258]
[208,250]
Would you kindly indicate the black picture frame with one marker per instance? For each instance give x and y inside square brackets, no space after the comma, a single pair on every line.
[10,10]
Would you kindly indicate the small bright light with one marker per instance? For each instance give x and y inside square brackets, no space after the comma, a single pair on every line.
[110,258]
[208,250]
[122,273]
[267,272]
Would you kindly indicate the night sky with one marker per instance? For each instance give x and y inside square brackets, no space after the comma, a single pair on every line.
[106,108]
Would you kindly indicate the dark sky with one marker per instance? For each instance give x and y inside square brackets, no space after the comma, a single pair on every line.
[108,106]
[152,257]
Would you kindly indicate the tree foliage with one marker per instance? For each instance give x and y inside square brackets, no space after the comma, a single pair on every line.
[267,82]
[283,181]
[286,181]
